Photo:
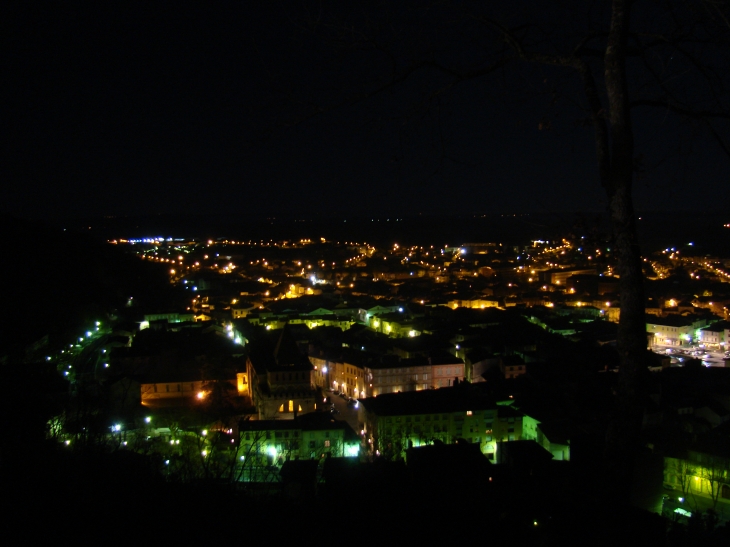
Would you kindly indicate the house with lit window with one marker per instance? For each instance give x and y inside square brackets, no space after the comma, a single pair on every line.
[560,276]
[348,378]
[395,325]
[713,337]
[395,422]
[321,362]
[173,317]
[393,374]
[174,368]
[312,436]
[703,471]
[447,370]
[184,388]
[475,302]
[241,309]
[186,385]
[674,330]
[512,366]
[281,379]
[340,370]
[359,374]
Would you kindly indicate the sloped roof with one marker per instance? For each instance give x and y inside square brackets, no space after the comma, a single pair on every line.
[449,399]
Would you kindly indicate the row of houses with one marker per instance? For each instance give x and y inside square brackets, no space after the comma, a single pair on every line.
[394,423]
[360,375]
[314,435]
[466,413]
[684,330]
[700,474]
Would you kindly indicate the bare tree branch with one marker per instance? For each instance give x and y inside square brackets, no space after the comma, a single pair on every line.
[681,109]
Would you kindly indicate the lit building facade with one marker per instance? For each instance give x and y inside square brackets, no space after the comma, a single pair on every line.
[675,330]
[699,474]
[281,380]
[414,374]
[340,374]
[395,422]
[183,391]
[714,336]
[310,436]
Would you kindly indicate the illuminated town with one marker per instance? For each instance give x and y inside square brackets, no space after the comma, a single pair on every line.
[270,363]
[390,273]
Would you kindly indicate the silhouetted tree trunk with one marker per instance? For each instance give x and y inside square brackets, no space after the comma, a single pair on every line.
[616,161]
[679,45]
[614,138]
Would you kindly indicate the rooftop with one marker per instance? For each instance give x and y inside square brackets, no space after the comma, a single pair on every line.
[460,398]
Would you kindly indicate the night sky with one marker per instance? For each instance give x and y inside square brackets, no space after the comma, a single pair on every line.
[239,108]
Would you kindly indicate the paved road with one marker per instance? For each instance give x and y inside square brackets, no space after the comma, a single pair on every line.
[88,359]
[708,358]
[345,412]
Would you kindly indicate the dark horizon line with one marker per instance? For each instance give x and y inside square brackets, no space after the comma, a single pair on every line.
[378,216]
